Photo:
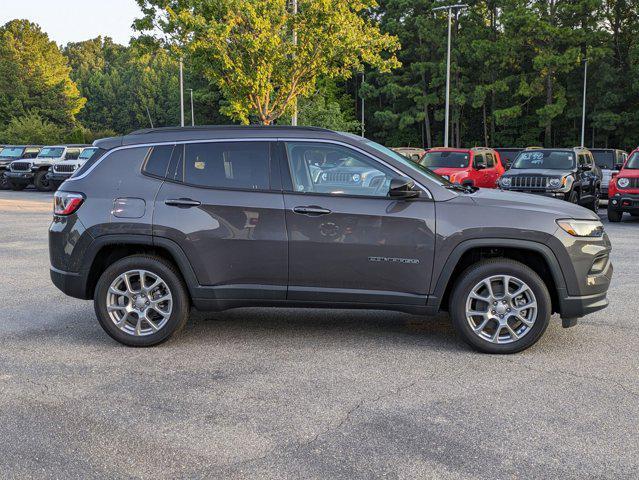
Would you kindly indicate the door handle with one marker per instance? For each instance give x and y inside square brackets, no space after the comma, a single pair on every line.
[182,202]
[312,211]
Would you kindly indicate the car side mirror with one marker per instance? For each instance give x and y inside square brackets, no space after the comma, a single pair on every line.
[402,189]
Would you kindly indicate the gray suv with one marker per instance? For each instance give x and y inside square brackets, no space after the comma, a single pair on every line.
[220,217]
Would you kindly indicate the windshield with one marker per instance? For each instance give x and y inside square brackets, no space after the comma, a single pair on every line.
[87,153]
[544,159]
[633,162]
[11,152]
[49,152]
[446,160]
[416,167]
[604,158]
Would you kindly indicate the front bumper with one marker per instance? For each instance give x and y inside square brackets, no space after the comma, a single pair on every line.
[545,193]
[624,202]
[57,177]
[19,177]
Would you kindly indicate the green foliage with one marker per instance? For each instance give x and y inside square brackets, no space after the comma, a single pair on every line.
[246,47]
[34,76]
[31,129]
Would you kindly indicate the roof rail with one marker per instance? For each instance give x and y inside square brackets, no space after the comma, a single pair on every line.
[200,128]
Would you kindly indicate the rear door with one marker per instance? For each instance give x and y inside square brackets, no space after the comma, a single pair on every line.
[348,241]
[223,206]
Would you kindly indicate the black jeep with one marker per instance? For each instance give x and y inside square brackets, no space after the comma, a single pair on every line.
[570,174]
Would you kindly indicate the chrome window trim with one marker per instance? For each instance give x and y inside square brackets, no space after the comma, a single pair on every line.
[254,139]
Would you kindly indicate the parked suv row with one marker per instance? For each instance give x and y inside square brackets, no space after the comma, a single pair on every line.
[163,219]
[44,167]
[624,190]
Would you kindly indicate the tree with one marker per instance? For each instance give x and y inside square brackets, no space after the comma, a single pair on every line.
[245,47]
[34,76]
[31,129]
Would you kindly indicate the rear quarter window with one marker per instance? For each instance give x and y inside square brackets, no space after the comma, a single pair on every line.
[157,162]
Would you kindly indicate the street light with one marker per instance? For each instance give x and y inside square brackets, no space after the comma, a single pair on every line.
[583,108]
[181,92]
[192,110]
[450,9]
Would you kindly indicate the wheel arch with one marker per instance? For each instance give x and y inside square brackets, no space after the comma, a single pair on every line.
[537,256]
[107,249]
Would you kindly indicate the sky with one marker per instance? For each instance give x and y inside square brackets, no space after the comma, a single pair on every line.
[75,20]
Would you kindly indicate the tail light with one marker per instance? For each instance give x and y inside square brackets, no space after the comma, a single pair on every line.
[66,203]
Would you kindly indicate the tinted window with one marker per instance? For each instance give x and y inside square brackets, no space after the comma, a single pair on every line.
[541,159]
[604,159]
[490,160]
[31,153]
[479,159]
[72,153]
[326,168]
[445,160]
[87,153]
[158,160]
[242,165]
[89,163]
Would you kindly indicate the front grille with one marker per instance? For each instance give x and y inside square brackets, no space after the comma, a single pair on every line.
[21,167]
[64,168]
[337,177]
[536,182]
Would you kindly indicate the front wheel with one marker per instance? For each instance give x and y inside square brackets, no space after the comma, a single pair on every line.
[41,182]
[594,203]
[573,197]
[141,301]
[500,306]
[614,215]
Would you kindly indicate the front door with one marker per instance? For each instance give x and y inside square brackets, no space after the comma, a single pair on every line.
[221,207]
[348,241]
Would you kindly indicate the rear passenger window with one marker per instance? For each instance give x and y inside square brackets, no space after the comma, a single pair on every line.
[158,160]
[241,165]
[490,160]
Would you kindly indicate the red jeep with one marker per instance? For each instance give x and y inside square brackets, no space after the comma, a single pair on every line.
[623,190]
[478,167]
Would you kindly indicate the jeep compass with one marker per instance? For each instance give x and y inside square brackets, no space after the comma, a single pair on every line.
[220,217]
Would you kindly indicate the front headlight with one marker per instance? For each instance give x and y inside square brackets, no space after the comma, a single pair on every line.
[582,228]
[623,182]
[506,182]
[554,183]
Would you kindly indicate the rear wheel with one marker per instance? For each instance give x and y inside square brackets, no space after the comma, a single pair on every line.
[141,301]
[41,182]
[614,215]
[500,306]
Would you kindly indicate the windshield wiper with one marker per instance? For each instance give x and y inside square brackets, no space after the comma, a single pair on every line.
[461,188]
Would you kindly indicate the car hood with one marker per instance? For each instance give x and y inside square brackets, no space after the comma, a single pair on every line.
[628,173]
[537,172]
[523,201]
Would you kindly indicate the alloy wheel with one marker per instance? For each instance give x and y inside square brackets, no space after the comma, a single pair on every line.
[501,309]
[139,302]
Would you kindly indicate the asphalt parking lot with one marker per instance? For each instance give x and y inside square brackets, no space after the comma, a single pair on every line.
[258,393]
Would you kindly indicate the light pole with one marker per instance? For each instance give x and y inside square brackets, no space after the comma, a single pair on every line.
[294,116]
[450,9]
[192,110]
[181,92]
[360,94]
[583,108]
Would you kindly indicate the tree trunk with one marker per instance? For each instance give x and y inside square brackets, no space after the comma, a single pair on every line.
[549,95]
[485,125]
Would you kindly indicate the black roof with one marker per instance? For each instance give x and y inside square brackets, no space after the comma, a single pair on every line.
[181,134]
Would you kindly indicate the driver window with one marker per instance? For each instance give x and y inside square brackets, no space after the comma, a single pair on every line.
[479,160]
[336,170]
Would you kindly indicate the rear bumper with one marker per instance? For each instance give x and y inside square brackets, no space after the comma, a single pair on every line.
[70,283]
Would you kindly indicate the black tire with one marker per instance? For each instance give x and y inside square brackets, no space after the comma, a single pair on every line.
[573,197]
[41,182]
[4,183]
[17,187]
[495,267]
[173,279]
[614,216]
[594,203]
[54,185]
